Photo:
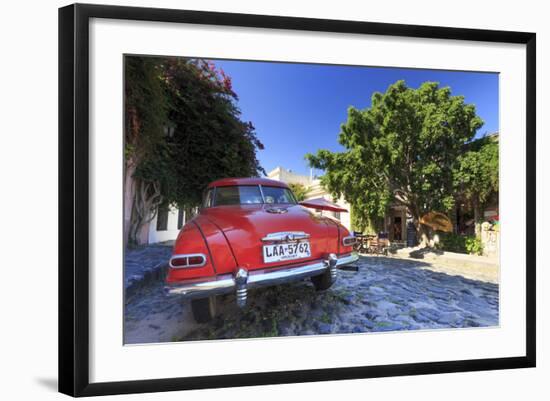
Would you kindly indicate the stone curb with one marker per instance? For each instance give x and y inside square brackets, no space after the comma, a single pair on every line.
[150,276]
[450,258]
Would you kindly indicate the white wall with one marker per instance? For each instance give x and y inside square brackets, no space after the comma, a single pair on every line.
[282,174]
[28,164]
[164,235]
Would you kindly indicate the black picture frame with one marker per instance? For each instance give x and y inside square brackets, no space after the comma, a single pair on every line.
[74,198]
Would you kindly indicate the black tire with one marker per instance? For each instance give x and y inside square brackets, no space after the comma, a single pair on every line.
[323,281]
[204,309]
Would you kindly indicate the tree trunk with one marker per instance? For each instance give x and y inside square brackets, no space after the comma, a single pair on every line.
[454,218]
[478,218]
[129,193]
[147,198]
[422,237]
[143,233]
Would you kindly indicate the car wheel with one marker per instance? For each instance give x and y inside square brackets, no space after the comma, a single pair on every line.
[322,281]
[204,309]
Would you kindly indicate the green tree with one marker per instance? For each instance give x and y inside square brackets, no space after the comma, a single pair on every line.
[362,223]
[299,191]
[476,176]
[146,111]
[402,150]
[201,138]
[210,139]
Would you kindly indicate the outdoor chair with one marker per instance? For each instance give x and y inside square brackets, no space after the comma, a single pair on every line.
[378,246]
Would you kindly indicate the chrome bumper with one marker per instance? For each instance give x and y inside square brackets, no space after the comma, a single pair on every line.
[242,280]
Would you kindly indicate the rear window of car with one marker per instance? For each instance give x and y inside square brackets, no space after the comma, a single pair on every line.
[247,194]
[277,195]
[237,195]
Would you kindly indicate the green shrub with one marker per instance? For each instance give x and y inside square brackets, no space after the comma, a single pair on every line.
[460,243]
[474,245]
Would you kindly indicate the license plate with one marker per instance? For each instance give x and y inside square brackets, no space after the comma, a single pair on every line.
[286,251]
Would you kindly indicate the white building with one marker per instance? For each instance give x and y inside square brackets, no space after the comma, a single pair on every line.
[314,190]
[166,224]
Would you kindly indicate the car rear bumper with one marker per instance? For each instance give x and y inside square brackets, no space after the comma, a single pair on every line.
[242,280]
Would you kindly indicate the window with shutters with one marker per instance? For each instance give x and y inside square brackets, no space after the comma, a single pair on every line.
[162,218]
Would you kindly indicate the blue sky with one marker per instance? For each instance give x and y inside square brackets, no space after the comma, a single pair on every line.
[298,108]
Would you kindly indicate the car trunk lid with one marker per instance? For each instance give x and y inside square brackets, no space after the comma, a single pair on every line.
[246,225]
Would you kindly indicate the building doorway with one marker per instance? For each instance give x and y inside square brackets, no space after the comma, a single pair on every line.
[397,229]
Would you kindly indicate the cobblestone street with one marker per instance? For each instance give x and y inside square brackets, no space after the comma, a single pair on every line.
[385,294]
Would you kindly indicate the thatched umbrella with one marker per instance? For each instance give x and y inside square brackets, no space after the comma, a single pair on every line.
[437,222]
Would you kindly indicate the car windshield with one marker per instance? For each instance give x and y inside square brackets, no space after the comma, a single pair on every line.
[249,194]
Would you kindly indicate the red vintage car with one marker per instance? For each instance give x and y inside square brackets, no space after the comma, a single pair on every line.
[251,232]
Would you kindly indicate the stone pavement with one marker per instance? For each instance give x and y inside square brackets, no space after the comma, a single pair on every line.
[385,294]
[145,265]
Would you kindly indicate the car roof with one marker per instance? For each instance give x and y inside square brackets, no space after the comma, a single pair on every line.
[225,182]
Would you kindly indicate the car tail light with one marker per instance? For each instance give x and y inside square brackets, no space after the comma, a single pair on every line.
[191,260]
[350,240]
